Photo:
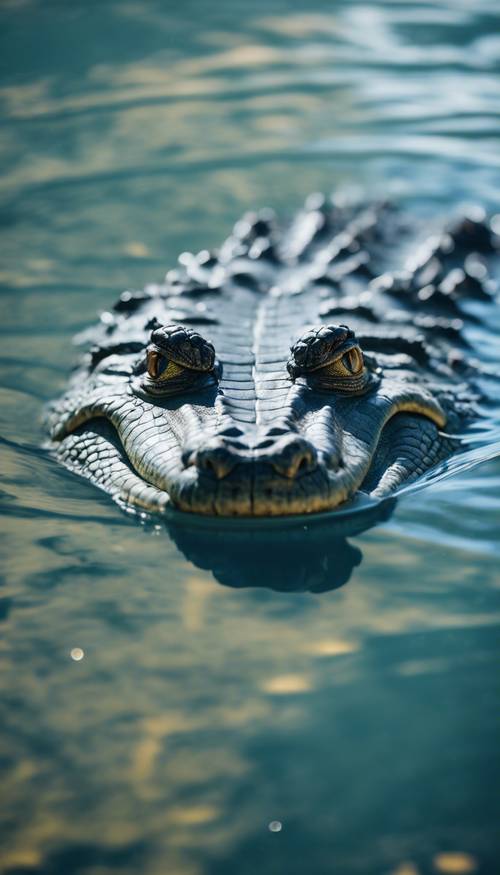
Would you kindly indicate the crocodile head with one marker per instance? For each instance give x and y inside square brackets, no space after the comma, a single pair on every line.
[268,406]
[306,437]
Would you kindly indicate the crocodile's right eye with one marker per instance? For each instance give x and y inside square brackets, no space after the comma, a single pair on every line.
[178,359]
[159,367]
[155,363]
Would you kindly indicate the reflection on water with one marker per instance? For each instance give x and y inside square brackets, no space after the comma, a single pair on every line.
[153,720]
[299,555]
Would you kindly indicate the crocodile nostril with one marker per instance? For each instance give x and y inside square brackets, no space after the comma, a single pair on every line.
[304,464]
[215,461]
[209,465]
[290,458]
[294,460]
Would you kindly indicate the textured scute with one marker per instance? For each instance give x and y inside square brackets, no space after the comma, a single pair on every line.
[248,428]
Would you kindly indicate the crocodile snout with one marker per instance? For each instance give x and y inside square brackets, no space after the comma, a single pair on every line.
[291,456]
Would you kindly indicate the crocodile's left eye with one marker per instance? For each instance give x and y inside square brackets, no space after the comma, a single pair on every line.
[330,359]
[178,359]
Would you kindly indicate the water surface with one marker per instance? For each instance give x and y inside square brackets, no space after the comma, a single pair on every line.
[155,719]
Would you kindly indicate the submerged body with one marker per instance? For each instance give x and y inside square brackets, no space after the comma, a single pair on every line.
[284,374]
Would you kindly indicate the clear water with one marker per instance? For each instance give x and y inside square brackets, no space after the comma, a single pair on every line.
[362,718]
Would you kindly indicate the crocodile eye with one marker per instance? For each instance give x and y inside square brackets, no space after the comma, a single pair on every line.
[178,359]
[159,367]
[352,360]
[344,371]
[329,359]
[155,364]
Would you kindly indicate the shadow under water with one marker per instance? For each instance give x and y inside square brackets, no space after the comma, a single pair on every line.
[303,554]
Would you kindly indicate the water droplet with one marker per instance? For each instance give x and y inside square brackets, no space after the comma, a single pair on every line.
[275,826]
[77,654]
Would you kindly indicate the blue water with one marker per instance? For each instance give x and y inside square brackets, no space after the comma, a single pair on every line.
[155,719]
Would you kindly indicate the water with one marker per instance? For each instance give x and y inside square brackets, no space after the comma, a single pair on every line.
[155,720]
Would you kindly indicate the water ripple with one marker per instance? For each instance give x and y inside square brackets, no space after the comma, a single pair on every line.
[200,714]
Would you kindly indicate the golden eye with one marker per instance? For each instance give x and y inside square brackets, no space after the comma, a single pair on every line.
[159,367]
[156,363]
[353,360]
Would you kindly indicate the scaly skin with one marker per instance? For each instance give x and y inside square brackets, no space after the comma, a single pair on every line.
[235,388]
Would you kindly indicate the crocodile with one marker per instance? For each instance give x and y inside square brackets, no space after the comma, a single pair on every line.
[301,365]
